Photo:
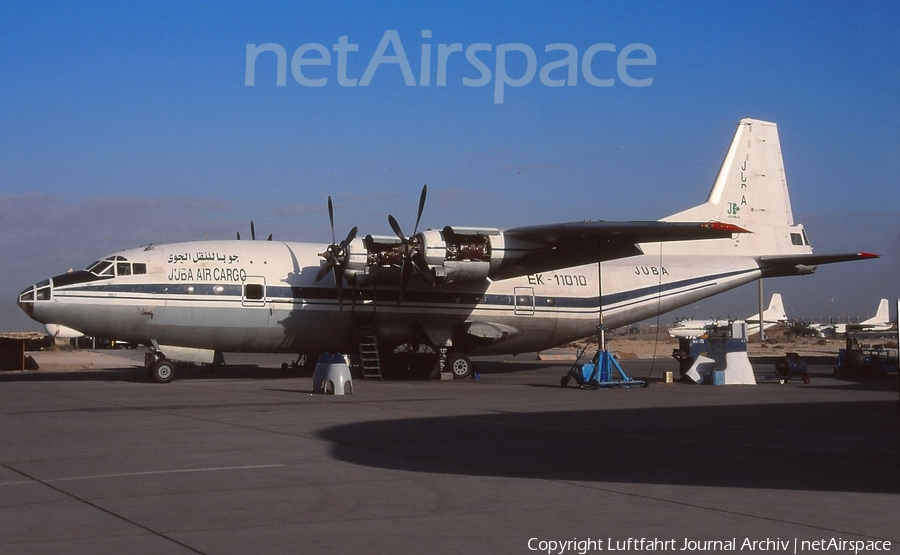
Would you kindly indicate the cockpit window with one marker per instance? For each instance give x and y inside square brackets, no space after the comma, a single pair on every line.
[102,268]
[117,265]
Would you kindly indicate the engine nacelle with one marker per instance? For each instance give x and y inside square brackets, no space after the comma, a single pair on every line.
[374,260]
[451,254]
[460,253]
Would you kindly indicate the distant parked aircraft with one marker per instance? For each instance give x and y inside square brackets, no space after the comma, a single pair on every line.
[772,316]
[880,322]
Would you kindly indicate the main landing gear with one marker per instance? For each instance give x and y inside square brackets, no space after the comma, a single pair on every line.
[459,365]
[162,371]
[416,361]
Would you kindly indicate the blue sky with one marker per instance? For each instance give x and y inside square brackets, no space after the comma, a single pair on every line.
[124,123]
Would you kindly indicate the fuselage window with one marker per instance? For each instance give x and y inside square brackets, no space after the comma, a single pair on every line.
[123,269]
[797,239]
[139,268]
[253,291]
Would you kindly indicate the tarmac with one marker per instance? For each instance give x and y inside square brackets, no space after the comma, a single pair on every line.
[95,458]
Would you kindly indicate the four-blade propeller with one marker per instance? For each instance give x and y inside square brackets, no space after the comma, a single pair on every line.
[411,248]
[336,256]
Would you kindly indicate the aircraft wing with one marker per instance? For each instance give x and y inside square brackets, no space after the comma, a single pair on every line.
[791,265]
[542,248]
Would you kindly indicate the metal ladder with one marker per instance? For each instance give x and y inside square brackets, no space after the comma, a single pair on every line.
[368,357]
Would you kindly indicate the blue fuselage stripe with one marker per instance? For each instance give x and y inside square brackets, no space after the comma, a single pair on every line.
[286,294]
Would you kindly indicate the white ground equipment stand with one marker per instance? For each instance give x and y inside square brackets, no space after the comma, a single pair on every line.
[332,375]
[721,357]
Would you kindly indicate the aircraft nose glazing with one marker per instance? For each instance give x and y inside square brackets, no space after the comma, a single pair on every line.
[26,301]
[38,292]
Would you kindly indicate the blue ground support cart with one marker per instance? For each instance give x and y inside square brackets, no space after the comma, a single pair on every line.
[603,371]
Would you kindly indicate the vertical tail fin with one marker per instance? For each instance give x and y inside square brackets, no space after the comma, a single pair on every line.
[883,314]
[751,191]
[775,311]
[773,314]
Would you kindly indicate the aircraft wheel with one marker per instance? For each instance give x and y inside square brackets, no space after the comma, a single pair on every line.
[564,381]
[460,365]
[162,371]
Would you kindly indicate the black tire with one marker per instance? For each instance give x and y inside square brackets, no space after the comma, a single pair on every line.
[564,381]
[162,371]
[460,365]
[595,385]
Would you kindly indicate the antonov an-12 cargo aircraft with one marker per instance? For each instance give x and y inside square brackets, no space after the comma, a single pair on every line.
[450,292]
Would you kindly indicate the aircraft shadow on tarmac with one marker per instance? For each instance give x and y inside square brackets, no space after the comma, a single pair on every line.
[850,447]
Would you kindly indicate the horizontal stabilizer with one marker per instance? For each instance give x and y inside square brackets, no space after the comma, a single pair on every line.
[798,264]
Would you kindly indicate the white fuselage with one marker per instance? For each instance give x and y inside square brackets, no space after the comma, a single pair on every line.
[262,297]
